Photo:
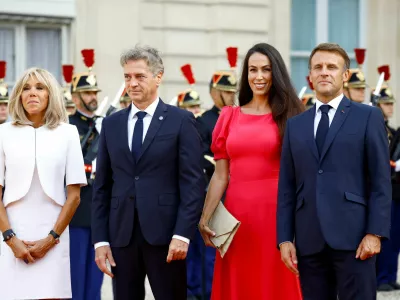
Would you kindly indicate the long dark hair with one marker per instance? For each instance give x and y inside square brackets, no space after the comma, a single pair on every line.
[282,97]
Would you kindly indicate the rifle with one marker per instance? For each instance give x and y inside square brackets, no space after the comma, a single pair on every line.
[88,134]
[303,90]
[106,108]
[91,152]
[376,94]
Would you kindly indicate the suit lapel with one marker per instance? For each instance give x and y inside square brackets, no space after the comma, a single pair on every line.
[159,117]
[124,133]
[340,116]
[310,132]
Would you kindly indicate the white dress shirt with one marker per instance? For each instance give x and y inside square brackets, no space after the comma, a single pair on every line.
[150,110]
[334,104]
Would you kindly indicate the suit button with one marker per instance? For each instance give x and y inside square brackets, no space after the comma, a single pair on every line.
[320,171]
[132,198]
[136,177]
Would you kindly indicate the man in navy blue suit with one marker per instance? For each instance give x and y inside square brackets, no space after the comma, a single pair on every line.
[148,192]
[334,187]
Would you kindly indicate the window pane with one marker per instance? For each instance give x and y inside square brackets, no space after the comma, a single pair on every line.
[44,50]
[7,52]
[303,24]
[299,72]
[346,34]
[353,64]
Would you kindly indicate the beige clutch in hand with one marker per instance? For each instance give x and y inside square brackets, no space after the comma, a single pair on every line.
[225,227]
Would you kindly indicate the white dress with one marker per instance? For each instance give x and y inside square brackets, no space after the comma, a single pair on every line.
[32,217]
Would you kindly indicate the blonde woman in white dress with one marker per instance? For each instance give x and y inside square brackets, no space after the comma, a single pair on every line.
[40,154]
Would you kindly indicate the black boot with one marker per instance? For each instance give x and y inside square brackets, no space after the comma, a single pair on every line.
[385,288]
[395,285]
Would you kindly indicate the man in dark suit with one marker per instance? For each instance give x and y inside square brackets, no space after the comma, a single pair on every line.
[149,186]
[334,187]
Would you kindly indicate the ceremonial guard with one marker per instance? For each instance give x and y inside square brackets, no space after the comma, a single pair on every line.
[124,101]
[86,278]
[3,93]
[223,86]
[189,99]
[387,261]
[354,89]
[68,71]
[308,99]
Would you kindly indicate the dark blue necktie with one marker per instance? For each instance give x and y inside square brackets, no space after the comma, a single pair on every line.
[323,127]
[137,137]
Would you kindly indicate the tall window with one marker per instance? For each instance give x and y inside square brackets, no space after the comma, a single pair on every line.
[7,51]
[28,44]
[303,39]
[43,49]
[347,34]
[318,21]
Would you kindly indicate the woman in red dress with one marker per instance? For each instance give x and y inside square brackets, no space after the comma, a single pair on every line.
[247,146]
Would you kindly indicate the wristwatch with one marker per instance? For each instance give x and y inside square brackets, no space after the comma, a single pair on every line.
[54,235]
[8,234]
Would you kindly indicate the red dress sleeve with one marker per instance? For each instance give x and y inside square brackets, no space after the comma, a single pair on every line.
[220,133]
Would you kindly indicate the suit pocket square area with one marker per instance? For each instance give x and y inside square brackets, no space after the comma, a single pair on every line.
[225,227]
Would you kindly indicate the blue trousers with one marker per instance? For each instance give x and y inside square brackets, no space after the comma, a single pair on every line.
[387,264]
[86,278]
[200,269]
[387,260]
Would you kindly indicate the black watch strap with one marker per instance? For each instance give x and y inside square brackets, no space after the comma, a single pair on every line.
[54,234]
[8,234]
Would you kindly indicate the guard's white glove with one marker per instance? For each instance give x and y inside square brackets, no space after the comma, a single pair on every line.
[397,167]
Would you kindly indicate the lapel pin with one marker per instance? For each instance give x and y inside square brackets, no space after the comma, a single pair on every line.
[342,111]
[161,118]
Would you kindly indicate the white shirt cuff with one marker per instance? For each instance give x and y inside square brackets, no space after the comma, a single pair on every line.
[283,243]
[181,238]
[178,237]
[101,244]
[93,166]
[397,168]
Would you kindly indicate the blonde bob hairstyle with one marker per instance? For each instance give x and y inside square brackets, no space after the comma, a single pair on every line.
[55,111]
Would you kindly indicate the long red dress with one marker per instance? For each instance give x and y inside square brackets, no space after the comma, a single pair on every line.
[252,268]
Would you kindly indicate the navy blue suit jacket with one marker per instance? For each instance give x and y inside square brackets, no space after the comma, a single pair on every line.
[341,195]
[166,184]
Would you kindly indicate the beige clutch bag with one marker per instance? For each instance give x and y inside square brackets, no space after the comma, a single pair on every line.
[225,227]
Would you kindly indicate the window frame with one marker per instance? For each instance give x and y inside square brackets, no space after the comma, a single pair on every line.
[322,30]
[20,39]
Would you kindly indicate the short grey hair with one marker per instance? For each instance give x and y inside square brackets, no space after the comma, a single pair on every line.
[149,54]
